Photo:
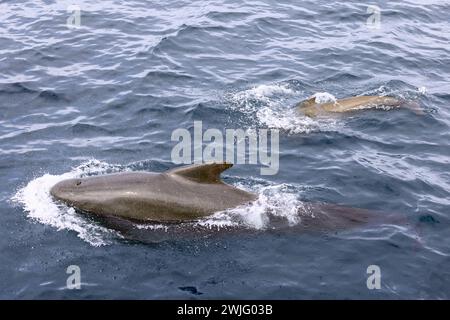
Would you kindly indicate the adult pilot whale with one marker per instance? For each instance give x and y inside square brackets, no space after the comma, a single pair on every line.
[181,197]
[313,107]
[184,193]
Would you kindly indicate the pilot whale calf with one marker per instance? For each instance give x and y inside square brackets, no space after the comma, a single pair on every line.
[311,108]
[184,193]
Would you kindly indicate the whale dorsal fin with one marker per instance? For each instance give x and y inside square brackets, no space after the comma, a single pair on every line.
[308,102]
[204,173]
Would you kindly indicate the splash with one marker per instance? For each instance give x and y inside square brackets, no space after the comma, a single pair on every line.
[422,90]
[37,202]
[274,202]
[265,91]
[272,106]
[323,97]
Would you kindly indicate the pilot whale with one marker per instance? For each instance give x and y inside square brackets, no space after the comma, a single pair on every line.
[311,108]
[184,193]
[135,202]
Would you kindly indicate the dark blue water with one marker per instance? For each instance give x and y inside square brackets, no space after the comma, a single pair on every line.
[107,95]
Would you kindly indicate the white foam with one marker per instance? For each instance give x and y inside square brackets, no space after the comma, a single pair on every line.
[248,101]
[151,227]
[38,204]
[272,106]
[323,97]
[273,201]
[422,90]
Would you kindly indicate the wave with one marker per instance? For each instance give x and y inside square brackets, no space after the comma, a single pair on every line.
[37,202]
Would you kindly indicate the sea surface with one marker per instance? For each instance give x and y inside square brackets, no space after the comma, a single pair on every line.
[99,87]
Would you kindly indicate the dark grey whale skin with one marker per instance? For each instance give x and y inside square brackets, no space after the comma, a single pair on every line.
[185,193]
[315,218]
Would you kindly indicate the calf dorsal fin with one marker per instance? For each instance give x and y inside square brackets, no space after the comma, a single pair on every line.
[306,103]
[203,173]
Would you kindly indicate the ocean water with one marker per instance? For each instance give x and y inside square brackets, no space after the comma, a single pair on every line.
[105,96]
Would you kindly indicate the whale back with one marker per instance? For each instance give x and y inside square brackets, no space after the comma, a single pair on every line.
[310,108]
